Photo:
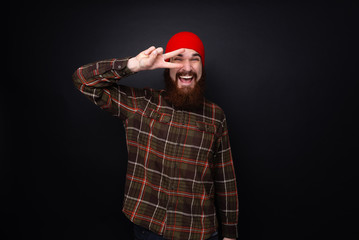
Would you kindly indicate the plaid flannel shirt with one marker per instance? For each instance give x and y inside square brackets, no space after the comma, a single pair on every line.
[180,175]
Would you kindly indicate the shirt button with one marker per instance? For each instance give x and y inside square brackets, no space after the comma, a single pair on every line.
[119,66]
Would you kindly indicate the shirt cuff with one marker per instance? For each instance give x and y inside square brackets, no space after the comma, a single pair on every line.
[229,231]
[120,66]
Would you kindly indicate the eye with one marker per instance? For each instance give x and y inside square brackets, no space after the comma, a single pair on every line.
[177,59]
[195,59]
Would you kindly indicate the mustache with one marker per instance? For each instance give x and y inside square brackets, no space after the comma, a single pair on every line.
[186,73]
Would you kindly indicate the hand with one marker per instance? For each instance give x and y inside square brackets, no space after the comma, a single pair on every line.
[229,238]
[153,58]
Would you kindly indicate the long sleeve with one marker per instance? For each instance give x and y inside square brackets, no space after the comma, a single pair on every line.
[98,82]
[225,186]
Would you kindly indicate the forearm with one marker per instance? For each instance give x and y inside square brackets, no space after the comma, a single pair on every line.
[98,82]
[101,74]
[228,208]
[226,193]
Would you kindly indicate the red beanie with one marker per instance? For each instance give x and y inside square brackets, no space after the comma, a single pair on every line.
[186,40]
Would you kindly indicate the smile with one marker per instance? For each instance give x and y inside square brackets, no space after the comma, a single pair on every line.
[186,80]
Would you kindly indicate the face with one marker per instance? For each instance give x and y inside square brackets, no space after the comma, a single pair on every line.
[187,76]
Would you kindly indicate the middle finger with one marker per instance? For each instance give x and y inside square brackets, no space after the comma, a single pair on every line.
[173,53]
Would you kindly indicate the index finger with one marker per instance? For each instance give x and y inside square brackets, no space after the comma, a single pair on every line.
[171,65]
[173,53]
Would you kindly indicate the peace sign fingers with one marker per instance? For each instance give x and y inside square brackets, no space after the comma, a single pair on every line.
[173,53]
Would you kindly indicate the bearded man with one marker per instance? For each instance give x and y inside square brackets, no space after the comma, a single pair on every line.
[180,181]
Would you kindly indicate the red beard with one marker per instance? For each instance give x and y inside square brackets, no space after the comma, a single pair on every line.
[184,98]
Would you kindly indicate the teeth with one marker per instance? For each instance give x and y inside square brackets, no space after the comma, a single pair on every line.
[186,77]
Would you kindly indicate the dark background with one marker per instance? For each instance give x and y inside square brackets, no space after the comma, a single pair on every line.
[283,73]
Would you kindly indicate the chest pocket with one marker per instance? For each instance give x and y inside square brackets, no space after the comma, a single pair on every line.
[160,117]
[206,127]
[208,134]
[154,126]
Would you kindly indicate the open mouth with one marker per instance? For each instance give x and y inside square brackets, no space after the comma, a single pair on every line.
[186,78]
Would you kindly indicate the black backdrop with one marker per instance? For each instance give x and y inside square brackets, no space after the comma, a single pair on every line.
[283,73]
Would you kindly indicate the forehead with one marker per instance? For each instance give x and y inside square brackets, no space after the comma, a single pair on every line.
[189,53]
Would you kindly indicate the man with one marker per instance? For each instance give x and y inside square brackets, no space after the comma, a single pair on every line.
[180,175]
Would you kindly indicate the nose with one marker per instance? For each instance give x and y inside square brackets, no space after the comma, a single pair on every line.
[187,65]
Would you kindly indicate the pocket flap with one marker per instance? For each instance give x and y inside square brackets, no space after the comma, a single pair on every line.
[161,117]
[206,127]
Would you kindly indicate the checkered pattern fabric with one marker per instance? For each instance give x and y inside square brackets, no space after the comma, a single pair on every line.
[180,177]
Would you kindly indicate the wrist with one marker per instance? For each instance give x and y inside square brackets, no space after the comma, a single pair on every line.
[133,65]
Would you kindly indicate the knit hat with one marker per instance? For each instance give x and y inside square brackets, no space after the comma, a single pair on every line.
[186,40]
